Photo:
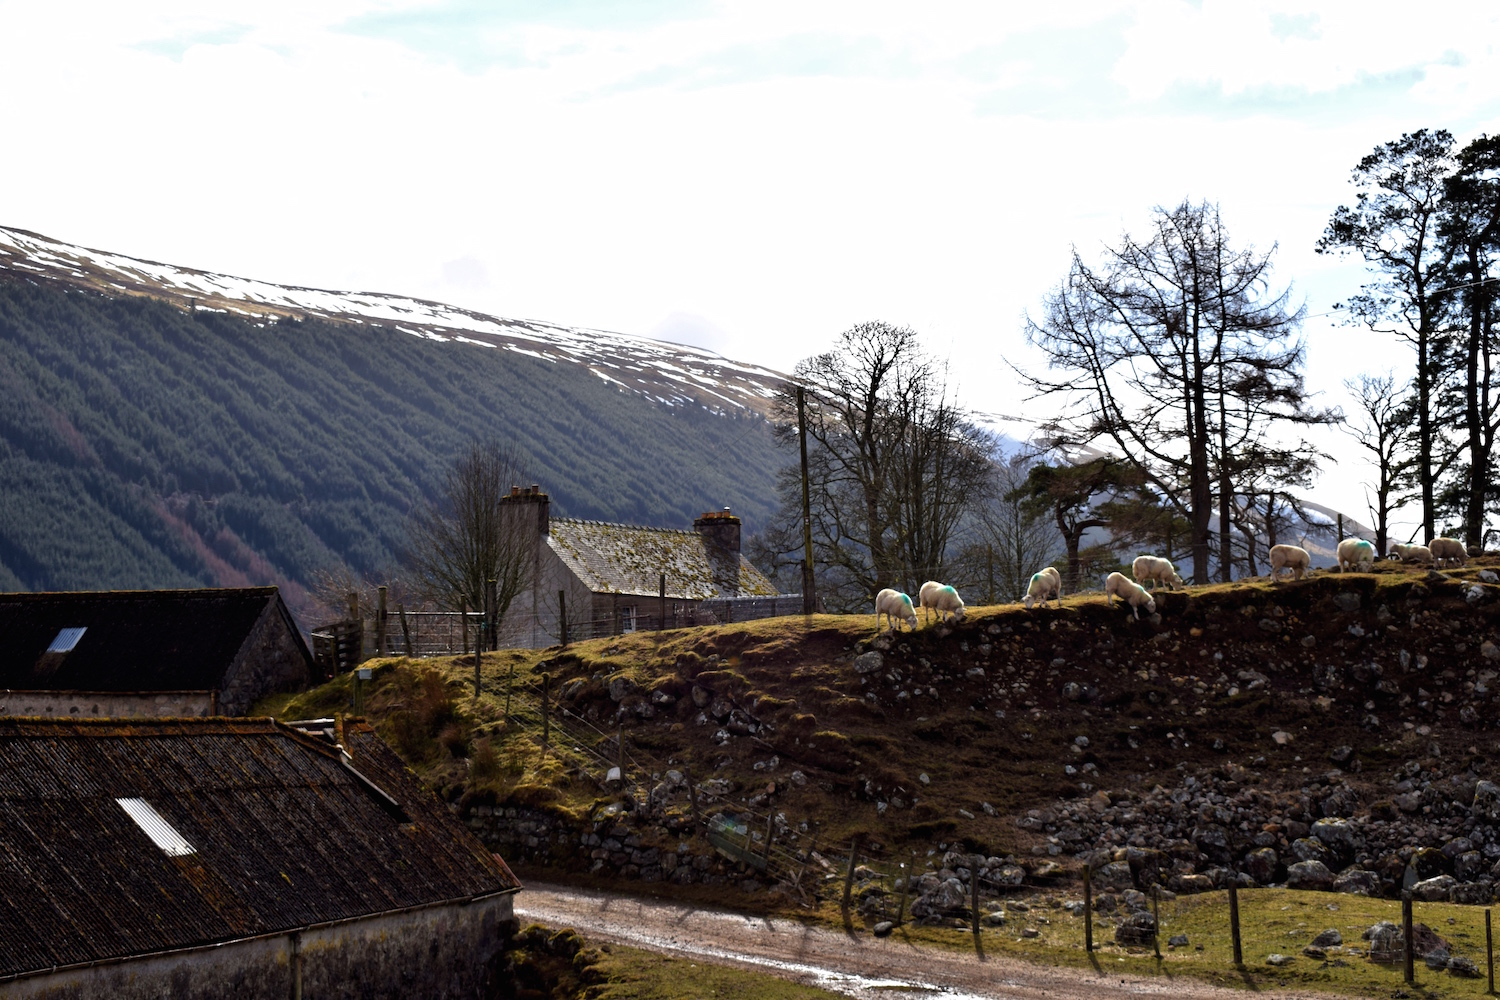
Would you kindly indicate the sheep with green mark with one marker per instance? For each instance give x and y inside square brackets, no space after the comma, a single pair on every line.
[1121,586]
[1355,553]
[941,598]
[894,605]
[1047,583]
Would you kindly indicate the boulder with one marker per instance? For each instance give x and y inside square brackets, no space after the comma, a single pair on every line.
[1434,890]
[1137,929]
[1473,894]
[1426,863]
[1309,849]
[1486,806]
[1115,875]
[1339,834]
[883,928]
[1463,967]
[868,663]
[1177,941]
[1357,882]
[1330,938]
[620,687]
[1312,875]
[1279,959]
[1262,865]
[947,900]
[1387,944]
[1468,866]
[1346,600]
[1192,883]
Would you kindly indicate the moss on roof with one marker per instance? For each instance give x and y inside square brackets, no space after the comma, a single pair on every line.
[628,559]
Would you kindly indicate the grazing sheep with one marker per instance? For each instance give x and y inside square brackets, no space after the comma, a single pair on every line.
[1292,557]
[1413,554]
[1354,552]
[894,604]
[1448,552]
[942,599]
[1047,583]
[1157,571]
[1133,594]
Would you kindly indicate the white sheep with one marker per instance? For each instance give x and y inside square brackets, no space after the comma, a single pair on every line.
[1292,557]
[1155,570]
[943,599]
[1413,554]
[1047,583]
[1356,552]
[1448,552]
[1119,585]
[893,603]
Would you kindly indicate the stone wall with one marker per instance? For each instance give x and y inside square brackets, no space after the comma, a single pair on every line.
[106,704]
[436,952]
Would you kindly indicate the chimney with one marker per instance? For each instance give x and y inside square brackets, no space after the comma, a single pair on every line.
[533,497]
[721,528]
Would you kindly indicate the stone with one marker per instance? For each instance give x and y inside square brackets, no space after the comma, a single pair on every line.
[702,697]
[1072,691]
[1312,875]
[1346,600]
[1387,944]
[1282,737]
[1407,802]
[1357,882]
[1468,866]
[1116,875]
[1489,650]
[1339,834]
[1314,952]
[1330,938]
[867,663]
[1278,960]
[883,928]
[1425,863]
[1489,576]
[1437,959]
[1473,894]
[1030,932]
[1309,849]
[1341,754]
[1486,805]
[1177,941]
[620,688]
[1137,929]
[1458,965]
[1193,883]
[1434,890]
[1262,865]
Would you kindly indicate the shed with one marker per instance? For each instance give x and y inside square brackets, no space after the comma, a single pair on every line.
[147,652]
[213,857]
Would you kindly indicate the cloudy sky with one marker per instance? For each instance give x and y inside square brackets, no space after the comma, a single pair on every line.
[748,177]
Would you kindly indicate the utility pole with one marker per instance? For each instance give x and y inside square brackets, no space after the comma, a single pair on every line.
[808,600]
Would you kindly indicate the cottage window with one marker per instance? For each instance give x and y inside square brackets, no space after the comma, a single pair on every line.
[627,619]
[159,830]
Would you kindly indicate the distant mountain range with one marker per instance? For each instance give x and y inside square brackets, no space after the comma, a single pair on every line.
[162,426]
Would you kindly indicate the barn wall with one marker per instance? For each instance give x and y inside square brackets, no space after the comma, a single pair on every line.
[271,660]
[106,704]
[438,952]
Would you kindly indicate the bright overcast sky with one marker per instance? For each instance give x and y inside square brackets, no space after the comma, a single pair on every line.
[749,177]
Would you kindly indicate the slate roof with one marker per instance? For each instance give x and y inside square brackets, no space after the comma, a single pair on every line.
[628,559]
[284,833]
[134,640]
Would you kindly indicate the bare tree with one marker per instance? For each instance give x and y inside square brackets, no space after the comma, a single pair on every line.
[893,463]
[1011,539]
[1176,350]
[1383,428]
[464,536]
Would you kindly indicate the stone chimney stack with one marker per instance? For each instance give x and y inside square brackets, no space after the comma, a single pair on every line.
[533,497]
[722,528]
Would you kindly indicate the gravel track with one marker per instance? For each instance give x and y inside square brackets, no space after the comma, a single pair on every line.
[856,965]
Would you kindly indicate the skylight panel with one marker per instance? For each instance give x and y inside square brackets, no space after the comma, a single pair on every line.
[66,640]
[159,830]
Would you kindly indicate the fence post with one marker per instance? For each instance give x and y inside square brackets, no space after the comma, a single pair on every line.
[1234,924]
[477,681]
[1088,908]
[380,620]
[1489,950]
[405,631]
[491,615]
[562,617]
[769,818]
[849,875]
[463,625]
[974,904]
[546,717]
[661,596]
[1406,934]
[1156,919]
[911,870]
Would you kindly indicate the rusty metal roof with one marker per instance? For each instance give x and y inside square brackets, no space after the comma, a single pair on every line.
[283,832]
[132,640]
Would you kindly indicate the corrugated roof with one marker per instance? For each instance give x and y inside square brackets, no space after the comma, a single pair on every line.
[283,834]
[628,559]
[130,640]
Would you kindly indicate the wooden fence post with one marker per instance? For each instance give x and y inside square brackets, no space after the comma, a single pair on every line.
[1489,950]
[1156,919]
[1088,908]
[463,625]
[849,875]
[974,904]
[911,871]
[491,615]
[478,683]
[1411,976]
[546,716]
[562,617]
[769,818]
[1234,924]
[405,631]
[380,621]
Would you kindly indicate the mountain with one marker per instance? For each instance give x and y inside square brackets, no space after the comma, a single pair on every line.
[161,426]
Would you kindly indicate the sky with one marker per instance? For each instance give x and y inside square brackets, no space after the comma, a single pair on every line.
[747,177]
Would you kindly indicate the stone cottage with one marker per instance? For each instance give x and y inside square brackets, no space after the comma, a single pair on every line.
[609,579]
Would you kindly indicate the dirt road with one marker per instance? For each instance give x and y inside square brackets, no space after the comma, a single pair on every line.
[856,965]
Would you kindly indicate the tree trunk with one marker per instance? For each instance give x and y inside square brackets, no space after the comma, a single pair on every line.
[1479,458]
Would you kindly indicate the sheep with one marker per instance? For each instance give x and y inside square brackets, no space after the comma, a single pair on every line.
[1047,583]
[1354,552]
[1448,551]
[1156,570]
[1292,557]
[943,599]
[892,603]
[1119,585]
[1413,553]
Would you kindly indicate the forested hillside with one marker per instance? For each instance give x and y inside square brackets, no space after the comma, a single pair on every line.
[145,446]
